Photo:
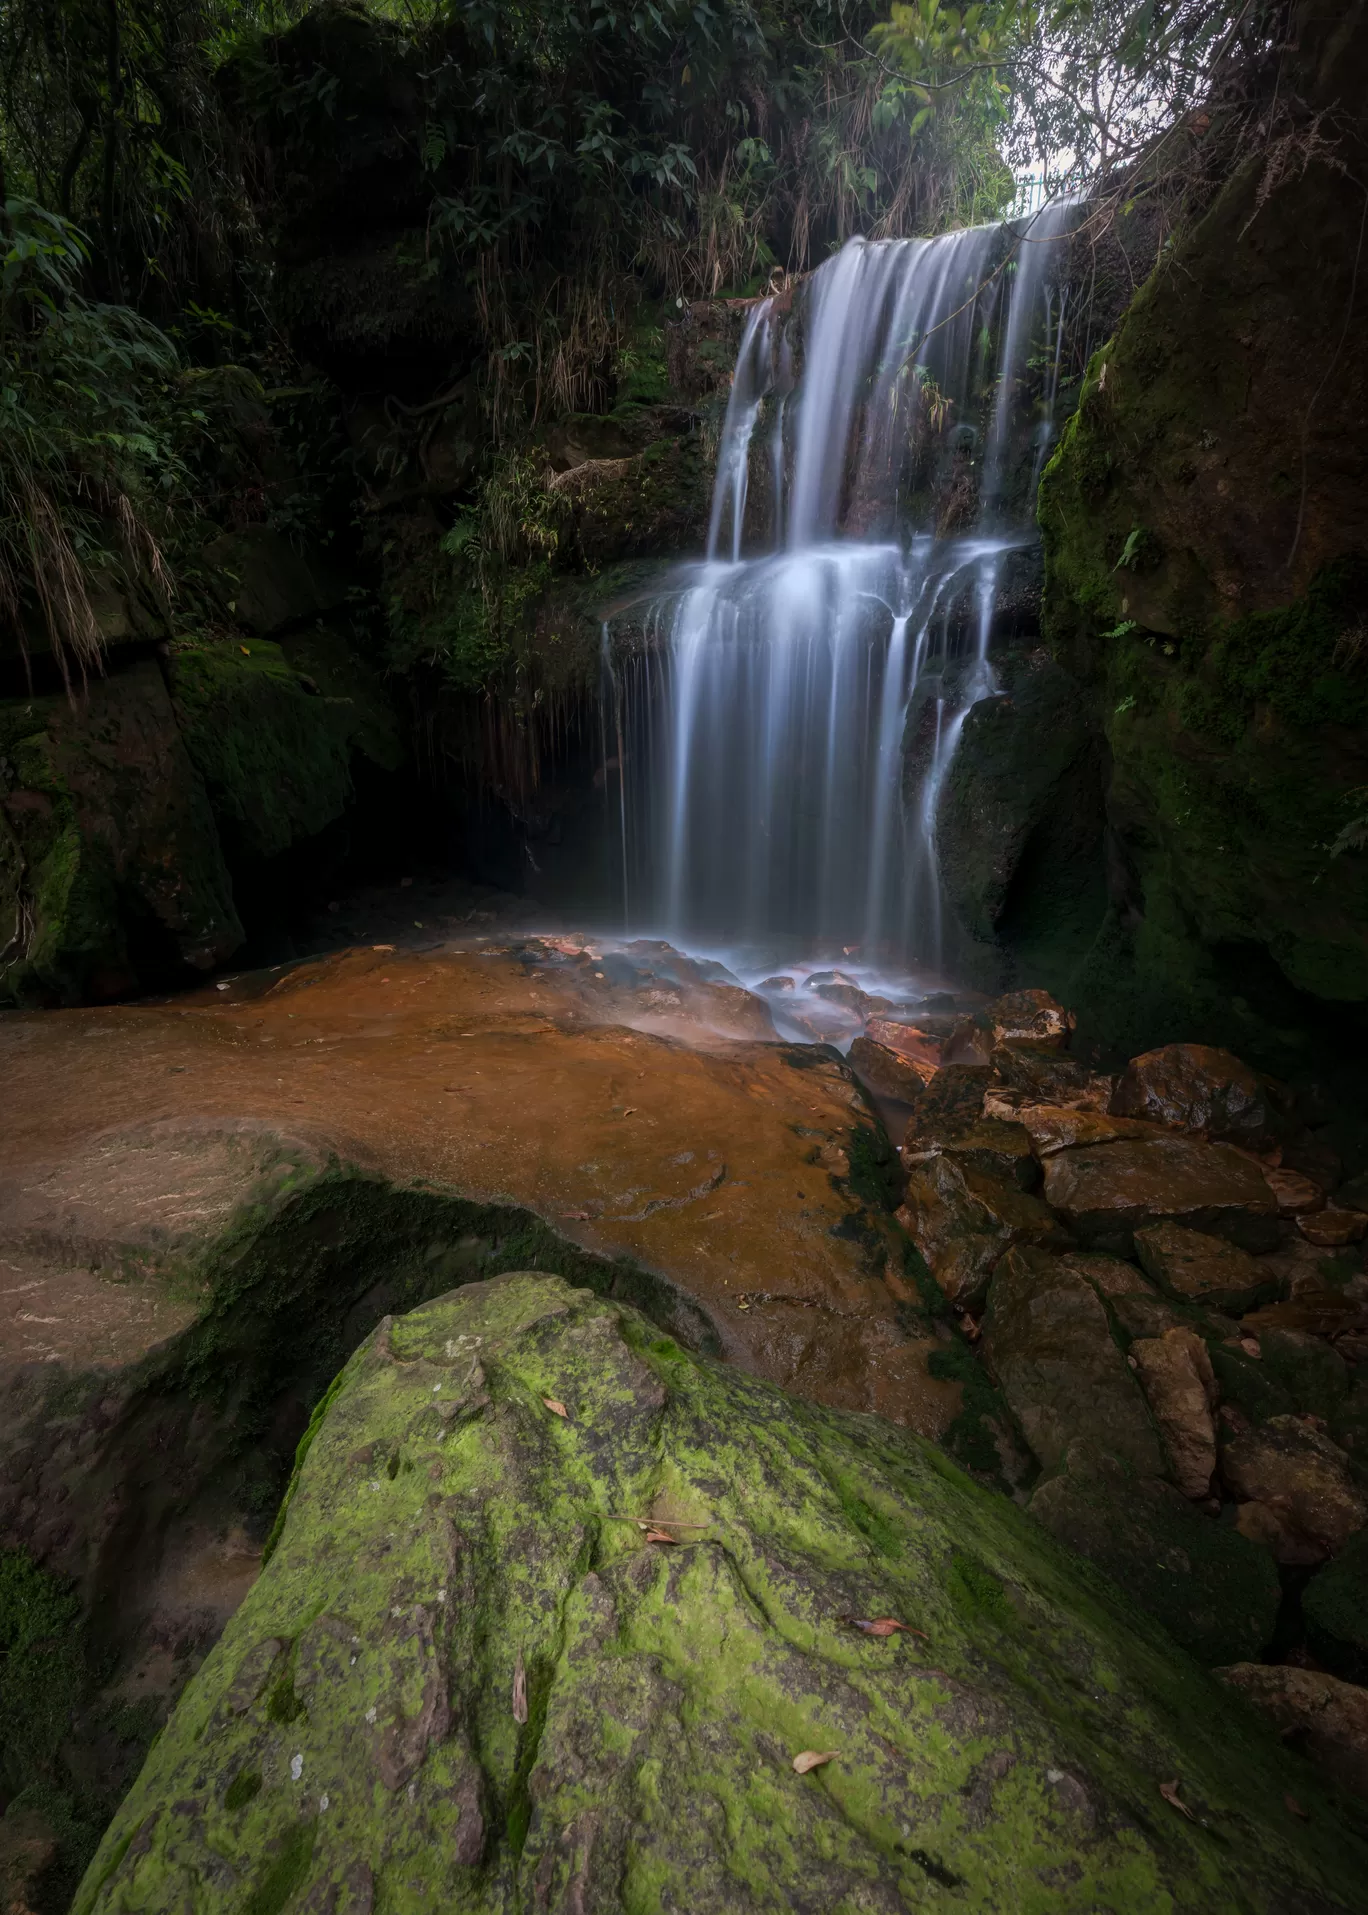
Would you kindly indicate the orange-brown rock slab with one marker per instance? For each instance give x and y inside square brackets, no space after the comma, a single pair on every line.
[718,1164]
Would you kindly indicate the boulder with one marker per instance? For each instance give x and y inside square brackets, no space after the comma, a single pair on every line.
[962,1219]
[1109,1276]
[886,1072]
[1334,1228]
[1106,1192]
[1047,1341]
[1324,1718]
[1215,1593]
[557,1616]
[992,1145]
[917,1048]
[1335,1610]
[1296,1195]
[1195,1088]
[1071,1128]
[1297,1494]
[1175,1374]
[1031,1017]
[1020,1018]
[1047,1076]
[1196,1267]
[951,1099]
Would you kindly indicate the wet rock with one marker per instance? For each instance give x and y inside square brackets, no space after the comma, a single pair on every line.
[952,1099]
[886,1072]
[962,1219]
[1135,1303]
[1047,1341]
[1196,1267]
[1071,1128]
[917,1047]
[1106,1192]
[776,984]
[850,996]
[1297,1495]
[1197,1089]
[1176,1376]
[1214,1592]
[1030,1017]
[468,1562]
[1296,1195]
[1318,1714]
[1335,1609]
[1047,1076]
[1333,1228]
[1109,1276]
[998,1148]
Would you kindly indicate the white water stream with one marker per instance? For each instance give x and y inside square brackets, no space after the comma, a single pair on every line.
[764,797]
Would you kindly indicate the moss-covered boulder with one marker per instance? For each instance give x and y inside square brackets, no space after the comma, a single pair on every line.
[1205,572]
[554,1609]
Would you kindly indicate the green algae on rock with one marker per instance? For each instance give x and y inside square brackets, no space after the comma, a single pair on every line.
[467,1680]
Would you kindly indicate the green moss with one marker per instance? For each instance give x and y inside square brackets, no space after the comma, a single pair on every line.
[243,1788]
[286,1873]
[670,1686]
[42,1667]
[276,760]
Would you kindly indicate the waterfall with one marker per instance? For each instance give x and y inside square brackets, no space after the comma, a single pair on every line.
[903,406]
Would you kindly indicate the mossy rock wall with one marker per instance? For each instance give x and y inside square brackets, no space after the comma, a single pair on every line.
[118,803]
[470,1679]
[110,864]
[1205,572]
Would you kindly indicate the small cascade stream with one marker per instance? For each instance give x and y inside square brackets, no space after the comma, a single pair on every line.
[783,737]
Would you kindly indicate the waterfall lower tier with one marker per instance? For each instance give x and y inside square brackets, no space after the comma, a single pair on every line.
[764,787]
[782,745]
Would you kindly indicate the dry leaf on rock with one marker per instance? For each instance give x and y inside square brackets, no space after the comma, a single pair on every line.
[519,1690]
[1169,1791]
[813,1759]
[660,1536]
[556,1409]
[1296,1808]
[882,1626]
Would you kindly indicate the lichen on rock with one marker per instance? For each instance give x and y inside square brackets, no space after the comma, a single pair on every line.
[505,1656]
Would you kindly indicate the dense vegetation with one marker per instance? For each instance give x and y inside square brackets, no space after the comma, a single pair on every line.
[577,160]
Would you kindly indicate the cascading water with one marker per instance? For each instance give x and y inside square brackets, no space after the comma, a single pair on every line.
[766,797]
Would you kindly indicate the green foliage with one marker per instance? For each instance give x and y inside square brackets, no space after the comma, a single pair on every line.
[91,419]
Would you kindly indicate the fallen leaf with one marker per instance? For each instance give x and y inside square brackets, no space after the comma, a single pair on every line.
[660,1536]
[556,1409]
[574,1216]
[813,1759]
[519,1690]
[1169,1791]
[1296,1808]
[630,1111]
[382,947]
[883,1626]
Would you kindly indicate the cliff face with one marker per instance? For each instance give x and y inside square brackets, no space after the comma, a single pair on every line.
[1205,565]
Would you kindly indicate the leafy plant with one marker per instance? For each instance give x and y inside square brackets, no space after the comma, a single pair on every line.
[90,414]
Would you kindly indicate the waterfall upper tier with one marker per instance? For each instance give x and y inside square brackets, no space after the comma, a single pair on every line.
[885,429]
